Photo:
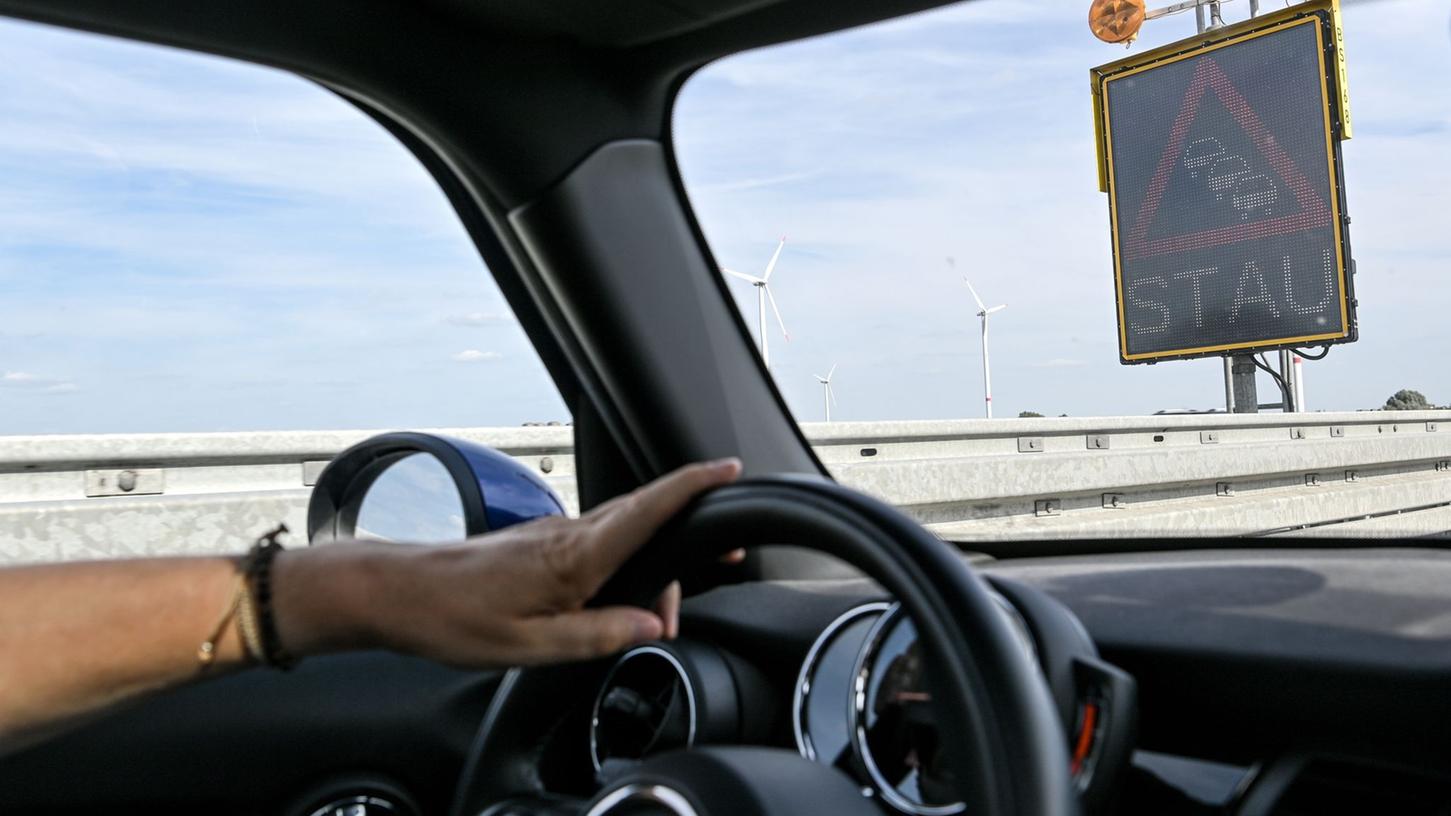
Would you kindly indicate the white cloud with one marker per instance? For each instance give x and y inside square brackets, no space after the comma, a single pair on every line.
[756,183]
[477,319]
[476,356]
[35,383]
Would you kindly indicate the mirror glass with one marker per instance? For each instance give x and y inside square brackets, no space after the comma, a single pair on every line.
[414,501]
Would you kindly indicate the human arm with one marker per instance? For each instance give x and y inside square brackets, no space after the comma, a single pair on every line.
[75,638]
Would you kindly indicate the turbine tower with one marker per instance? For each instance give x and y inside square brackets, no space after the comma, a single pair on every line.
[828,398]
[763,293]
[983,312]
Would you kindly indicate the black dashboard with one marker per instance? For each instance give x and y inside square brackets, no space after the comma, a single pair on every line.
[1267,682]
[1310,680]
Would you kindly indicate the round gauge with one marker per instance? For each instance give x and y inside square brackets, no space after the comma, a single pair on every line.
[822,701]
[894,726]
[894,722]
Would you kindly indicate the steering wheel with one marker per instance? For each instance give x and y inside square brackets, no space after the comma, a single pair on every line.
[1006,752]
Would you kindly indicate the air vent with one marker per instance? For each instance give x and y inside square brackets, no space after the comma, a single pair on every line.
[353,795]
[646,706]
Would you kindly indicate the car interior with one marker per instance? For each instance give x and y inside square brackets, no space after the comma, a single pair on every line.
[855,662]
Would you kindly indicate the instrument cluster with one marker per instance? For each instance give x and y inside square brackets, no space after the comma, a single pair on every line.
[861,702]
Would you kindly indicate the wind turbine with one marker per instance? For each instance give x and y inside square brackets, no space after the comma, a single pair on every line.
[983,312]
[763,293]
[828,398]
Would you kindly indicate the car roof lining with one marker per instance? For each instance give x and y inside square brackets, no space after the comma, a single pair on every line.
[706,27]
[606,24]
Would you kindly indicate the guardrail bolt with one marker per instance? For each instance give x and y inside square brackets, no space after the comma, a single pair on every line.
[1224,489]
[1297,433]
[1209,437]
[1098,442]
[1352,476]
[1312,480]
[1430,427]
[1030,444]
[1337,431]
[126,480]
[1114,501]
[1047,507]
[547,464]
[1443,466]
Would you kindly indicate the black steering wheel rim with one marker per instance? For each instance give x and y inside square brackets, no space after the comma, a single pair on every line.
[1010,757]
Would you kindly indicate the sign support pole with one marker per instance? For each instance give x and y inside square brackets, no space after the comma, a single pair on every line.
[1228,384]
[1290,373]
[1215,19]
[1298,365]
[1292,370]
[1242,374]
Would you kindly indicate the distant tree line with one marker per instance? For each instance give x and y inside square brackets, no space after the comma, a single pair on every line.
[1405,399]
[1408,400]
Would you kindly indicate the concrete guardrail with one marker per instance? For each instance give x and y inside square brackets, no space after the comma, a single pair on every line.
[1340,474]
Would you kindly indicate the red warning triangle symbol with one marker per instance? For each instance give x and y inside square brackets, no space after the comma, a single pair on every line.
[1314,211]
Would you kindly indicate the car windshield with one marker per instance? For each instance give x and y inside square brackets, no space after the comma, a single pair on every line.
[1133,255]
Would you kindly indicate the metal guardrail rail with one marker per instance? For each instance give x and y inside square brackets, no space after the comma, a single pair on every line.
[1338,474]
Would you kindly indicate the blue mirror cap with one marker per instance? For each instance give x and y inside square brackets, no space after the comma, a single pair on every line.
[512,492]
[497,491]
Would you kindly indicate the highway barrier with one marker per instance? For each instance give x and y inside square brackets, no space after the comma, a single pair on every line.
[1364,474]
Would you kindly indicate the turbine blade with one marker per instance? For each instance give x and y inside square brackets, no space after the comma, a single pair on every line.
[742,275]
[980,305]
[997,308]
[830,393]
[831,372]
[771,267]
[777,310]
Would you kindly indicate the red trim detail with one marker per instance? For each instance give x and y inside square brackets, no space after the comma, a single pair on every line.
[1084,744]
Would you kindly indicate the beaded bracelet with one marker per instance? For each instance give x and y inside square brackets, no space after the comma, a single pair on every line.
[257,569]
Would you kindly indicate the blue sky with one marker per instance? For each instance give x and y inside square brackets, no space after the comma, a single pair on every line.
[191,244]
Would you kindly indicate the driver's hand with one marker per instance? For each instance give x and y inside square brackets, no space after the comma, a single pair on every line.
[514,597]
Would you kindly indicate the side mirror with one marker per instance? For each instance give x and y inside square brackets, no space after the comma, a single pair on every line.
[423,488]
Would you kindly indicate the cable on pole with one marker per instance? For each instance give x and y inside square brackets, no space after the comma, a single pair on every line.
[1262,364]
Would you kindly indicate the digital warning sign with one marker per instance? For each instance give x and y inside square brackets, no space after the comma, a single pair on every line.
[1222,165]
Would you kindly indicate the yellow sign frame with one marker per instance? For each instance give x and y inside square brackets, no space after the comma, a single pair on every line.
[1301,14]
[1169,53]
